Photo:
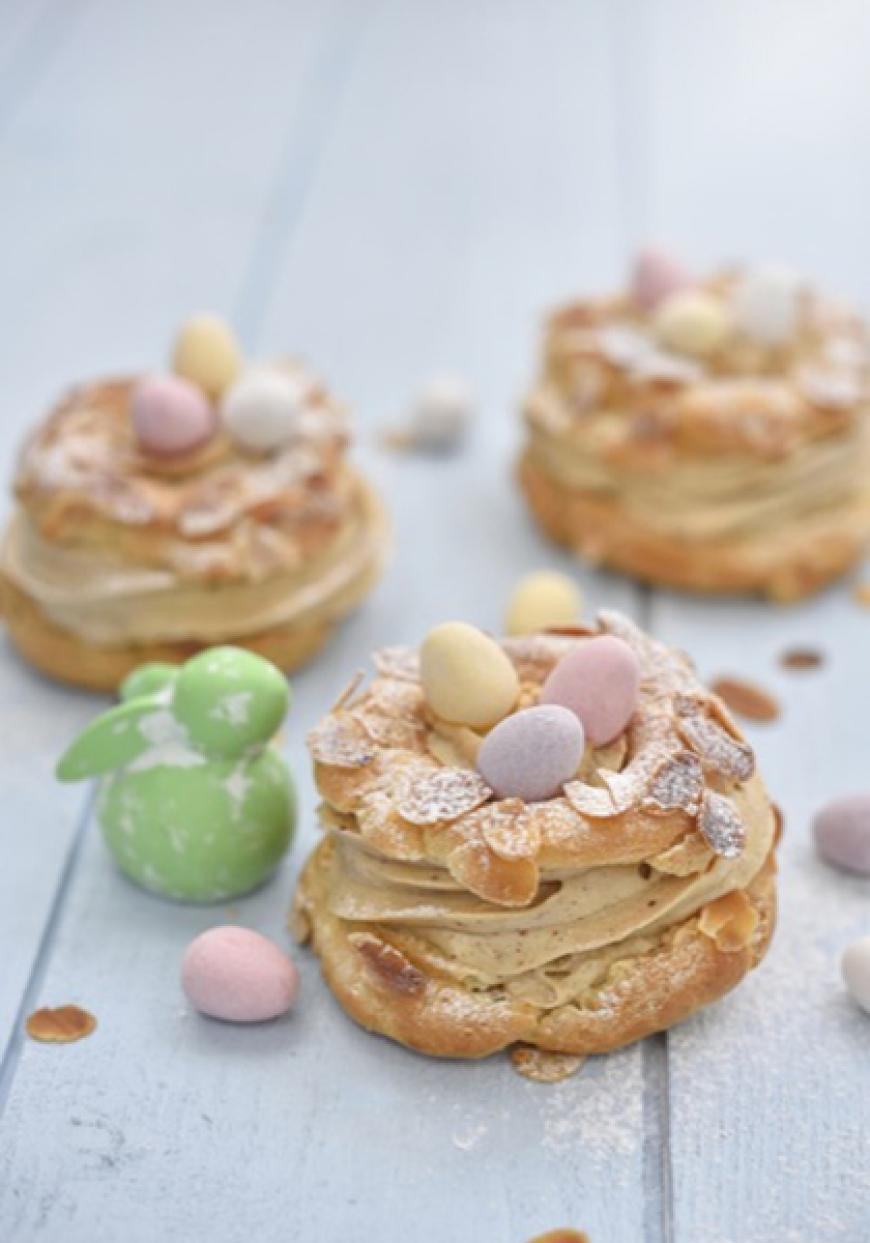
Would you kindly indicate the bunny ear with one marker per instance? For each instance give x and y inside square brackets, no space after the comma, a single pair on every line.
[116,738]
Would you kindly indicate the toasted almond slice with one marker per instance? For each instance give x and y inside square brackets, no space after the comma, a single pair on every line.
[721,825]
[60,1026]
[730,921]
[544,1066]
[506,882]
[507,828]
[341,741]
[389,964]
[441,794]
[746,699]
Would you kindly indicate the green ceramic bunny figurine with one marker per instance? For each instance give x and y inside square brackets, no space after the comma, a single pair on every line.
[195,803]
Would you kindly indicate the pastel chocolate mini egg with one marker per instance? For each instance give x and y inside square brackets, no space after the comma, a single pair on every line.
[170,416]
[693,322]
[229,699]
[598,681]
[441,415]
[262,409]
[207,354]
[656,276]
[842,832]
[467,678]
[856,971]
[543,600]
[532,753]
[236,974]
[766,303]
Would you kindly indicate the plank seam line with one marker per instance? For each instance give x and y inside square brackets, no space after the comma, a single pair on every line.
[45,39]
[317,110]
[15,1044]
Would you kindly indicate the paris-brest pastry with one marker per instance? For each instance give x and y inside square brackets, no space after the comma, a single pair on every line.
[556,839]
[162,514]
[704,434]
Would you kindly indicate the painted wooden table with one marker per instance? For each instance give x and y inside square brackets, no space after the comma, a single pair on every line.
[395,189]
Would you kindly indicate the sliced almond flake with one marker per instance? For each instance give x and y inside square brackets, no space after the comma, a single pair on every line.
[389,964]
[718,750]
[676,785]
[60,1026]
[396,697]
[507,828]
[341,741]
[508,882]
[441,794]
[729,921]
[390,731]
[593,801]
[721,825]
[746,699]
[543,1066]
[398,662]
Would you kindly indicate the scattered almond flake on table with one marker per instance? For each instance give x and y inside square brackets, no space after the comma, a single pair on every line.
[745,699]
[60,1026]
[543,1066]
[562,1234]
[801,658]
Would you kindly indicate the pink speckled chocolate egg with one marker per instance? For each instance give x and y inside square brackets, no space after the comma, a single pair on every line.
[235,974]
[171,416]
[656,276]
[531,754]
[598,681]
[842,832]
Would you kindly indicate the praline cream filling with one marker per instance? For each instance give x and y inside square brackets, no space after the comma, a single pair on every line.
[717,497]
[109,601]
[581,921]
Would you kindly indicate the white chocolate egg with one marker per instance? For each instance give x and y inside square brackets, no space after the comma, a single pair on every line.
[656,276]
[856,971]
[441,415]
[236,974]
[693,322]
[543,600]
[170,416]
[467,678]
[207,354]
[599,681]
[766,303]
[263,408]
[532,753]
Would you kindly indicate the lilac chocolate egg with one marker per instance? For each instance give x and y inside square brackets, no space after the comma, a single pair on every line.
[171,416]
[842,832]
[531,754]
[236,974]
[599,682]
[656,276]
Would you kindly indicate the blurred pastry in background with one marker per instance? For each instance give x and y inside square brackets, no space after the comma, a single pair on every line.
[160,515]
[706,434]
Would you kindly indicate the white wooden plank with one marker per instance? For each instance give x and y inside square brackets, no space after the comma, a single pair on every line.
[770,1089]
[419,248]
[756,145]
[98,266]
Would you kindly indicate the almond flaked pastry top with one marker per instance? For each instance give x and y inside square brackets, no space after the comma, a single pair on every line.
[541,899]
[211,514]
[402,785]
[601,358]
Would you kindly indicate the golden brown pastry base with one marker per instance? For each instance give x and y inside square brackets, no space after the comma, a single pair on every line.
[64,656]
[386,993]
[786,565]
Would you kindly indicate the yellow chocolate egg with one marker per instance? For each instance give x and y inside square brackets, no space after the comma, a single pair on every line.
[207,354]
[693,322]
[542,600]
[467,678]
